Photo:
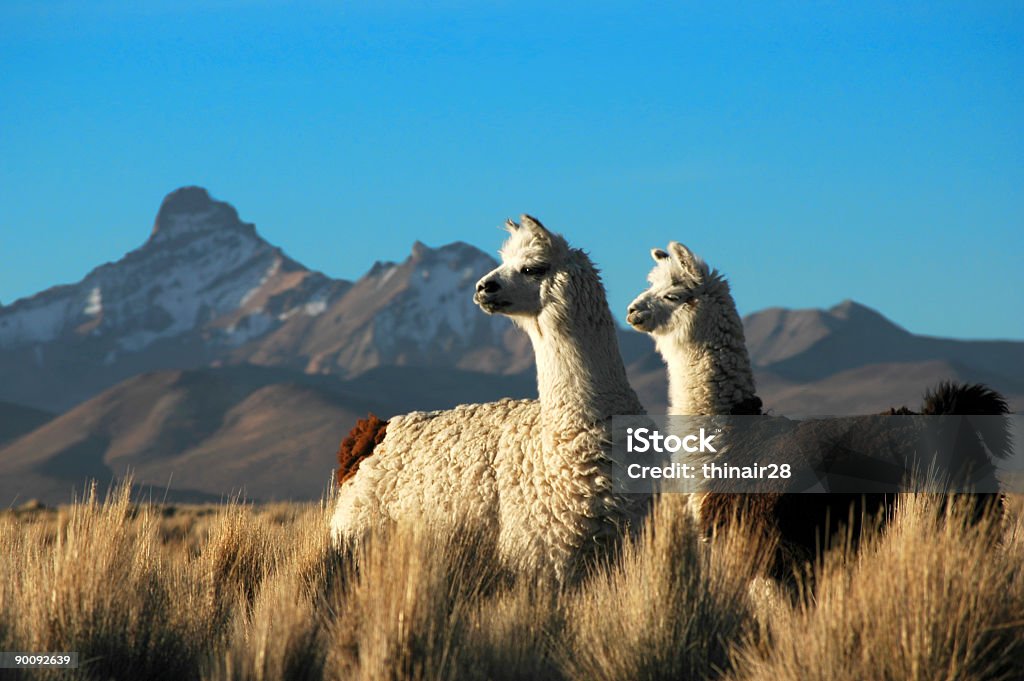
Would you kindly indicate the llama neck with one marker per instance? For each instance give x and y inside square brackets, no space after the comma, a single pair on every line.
[580,375]
[581,383]
[708,365]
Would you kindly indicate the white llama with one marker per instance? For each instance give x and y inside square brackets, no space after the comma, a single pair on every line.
[536,472]
[690,313]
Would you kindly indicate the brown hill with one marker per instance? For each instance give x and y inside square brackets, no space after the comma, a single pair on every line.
[869,389]
[804,345]
[216,431]
[206,433]
[850,359]
[271,433]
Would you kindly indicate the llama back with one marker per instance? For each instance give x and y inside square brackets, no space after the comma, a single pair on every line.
[432,466]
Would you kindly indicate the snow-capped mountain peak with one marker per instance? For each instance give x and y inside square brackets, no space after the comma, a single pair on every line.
[419,311]
[202,283]
[439,300]
[200,263]
[205,288]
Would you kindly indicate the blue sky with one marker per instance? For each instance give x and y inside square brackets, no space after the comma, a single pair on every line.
[812,151]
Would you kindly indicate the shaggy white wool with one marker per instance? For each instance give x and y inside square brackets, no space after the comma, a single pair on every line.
[440,466]
[690,312]
[536,472]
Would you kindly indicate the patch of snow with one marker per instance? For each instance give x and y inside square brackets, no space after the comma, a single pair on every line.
[315,307]
[94,303]
[387,276]
[439,303]
[271,271]
[37,321]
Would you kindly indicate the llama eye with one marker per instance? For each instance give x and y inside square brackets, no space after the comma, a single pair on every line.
[671,297]
[534,271]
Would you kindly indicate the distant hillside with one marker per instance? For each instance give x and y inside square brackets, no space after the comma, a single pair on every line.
[848,357]
[811,344]
[271,433]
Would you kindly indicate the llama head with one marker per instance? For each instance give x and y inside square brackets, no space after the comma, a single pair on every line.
[683,292]
[533,261]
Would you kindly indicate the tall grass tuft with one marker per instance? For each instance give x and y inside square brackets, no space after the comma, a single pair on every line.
[238,554]
[672,607]
[932,598]
[281,636]
[515,633]
[101,587]
[409,604]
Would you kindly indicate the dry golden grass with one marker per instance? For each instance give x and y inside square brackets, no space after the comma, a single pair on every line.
[670,607]
[238,592]
[929,599]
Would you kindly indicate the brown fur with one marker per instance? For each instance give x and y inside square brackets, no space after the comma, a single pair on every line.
[752,406]
[358,445]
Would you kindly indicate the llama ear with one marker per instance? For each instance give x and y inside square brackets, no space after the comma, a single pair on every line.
[658,254]
[533,225]
[685,260]
[510,225]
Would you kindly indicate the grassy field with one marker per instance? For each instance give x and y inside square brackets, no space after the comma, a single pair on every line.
[240,592]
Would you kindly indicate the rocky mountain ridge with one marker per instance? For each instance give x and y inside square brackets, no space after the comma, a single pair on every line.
[206,290]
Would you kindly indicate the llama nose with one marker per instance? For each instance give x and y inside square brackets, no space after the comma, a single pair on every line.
[635,315]
[487,286]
